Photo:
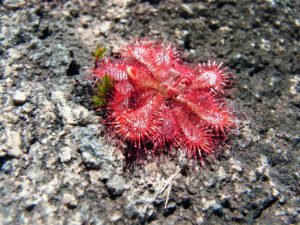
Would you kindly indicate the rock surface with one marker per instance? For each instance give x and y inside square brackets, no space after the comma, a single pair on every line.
[58,167]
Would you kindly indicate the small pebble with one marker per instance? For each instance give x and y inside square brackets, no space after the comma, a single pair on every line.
[70,200]
[116,186]
[13,141]
[19,98]
[66,154]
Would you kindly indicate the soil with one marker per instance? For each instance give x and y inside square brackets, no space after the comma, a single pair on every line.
[57,166]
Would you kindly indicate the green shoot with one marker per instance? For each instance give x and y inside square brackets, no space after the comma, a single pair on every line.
[99,52]
[103,88]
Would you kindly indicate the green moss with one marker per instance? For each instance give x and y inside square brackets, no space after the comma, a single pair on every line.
[99,52]
[103,88]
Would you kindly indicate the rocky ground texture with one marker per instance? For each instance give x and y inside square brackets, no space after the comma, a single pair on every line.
[58,167]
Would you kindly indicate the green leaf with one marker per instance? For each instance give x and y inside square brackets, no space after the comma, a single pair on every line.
[98,101]
[106,83]
[104,86]
[99,52]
